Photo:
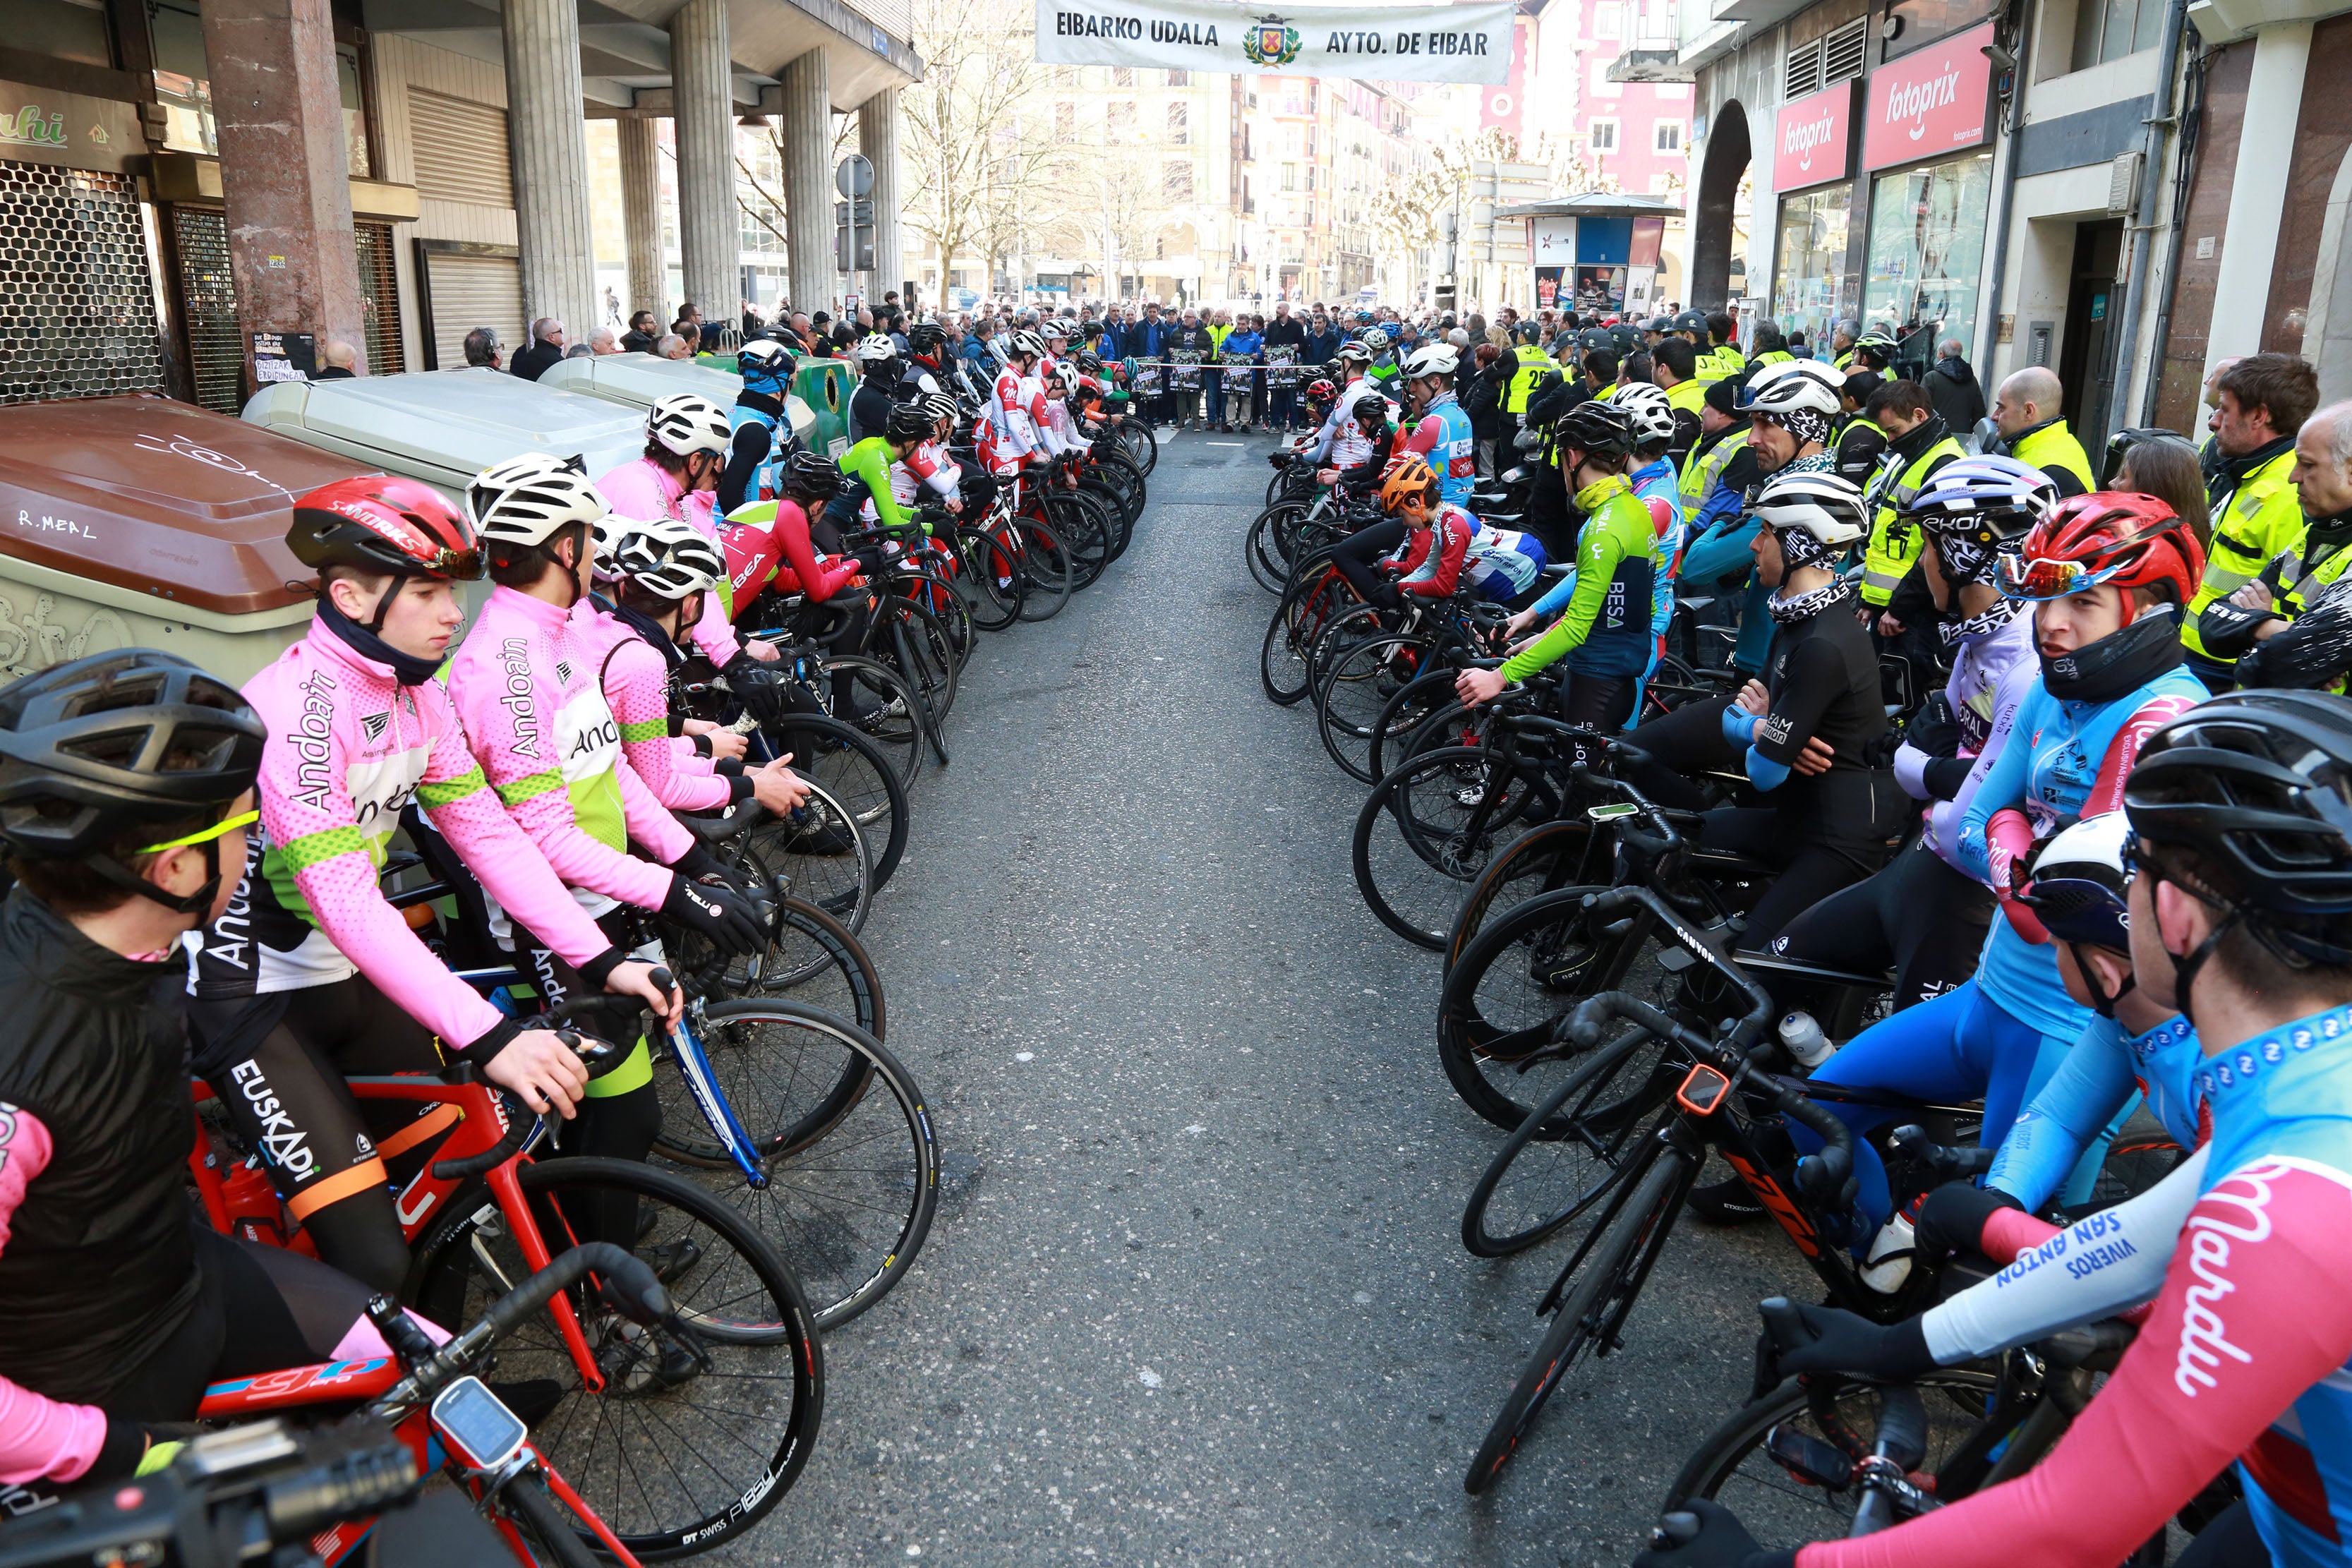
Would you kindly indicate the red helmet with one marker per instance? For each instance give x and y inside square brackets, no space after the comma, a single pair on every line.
[376,524]
[1321,391]
[2117,537]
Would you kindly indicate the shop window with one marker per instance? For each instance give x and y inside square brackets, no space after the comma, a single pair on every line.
[66,29]
[1926,248]
[1666,136]
[1811,286]
[2110,29]
[1603,135]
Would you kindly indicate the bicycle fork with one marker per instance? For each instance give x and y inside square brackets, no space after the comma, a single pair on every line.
[694,1062]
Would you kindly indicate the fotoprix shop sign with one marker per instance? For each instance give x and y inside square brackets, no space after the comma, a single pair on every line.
[1937,101]
[1384,43]
[1811,138]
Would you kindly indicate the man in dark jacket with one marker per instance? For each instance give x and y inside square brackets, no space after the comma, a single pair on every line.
[643,331]
[1952,387]
[1323,341]
[546,348]
[1282,391]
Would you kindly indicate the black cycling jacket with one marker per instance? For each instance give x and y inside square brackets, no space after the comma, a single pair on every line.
[99,1268]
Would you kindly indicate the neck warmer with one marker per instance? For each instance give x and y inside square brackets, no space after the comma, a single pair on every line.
[646,626]
[1983,623]
[2233,470]
[2118,662]
[770,405]
[1787,611]
[1594,495]
[1917,439]
[406,668]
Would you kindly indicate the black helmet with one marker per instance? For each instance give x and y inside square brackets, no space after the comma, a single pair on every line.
[1595,426]
[908,422]
[2257,785]
[925,336]
[809,476]
[123,739]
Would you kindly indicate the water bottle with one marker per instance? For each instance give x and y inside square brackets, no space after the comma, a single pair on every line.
[1803,1040]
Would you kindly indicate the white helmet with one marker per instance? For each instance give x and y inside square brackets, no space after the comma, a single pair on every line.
[665,557]
[1056,327]
[1824,505]
[1646,407]
[1433,359]
[524,500]
[1354,353]
[874,348]
[1025,344]
[764,355]
[1376,339]
[685,423]
[1066,378]
[1793,385]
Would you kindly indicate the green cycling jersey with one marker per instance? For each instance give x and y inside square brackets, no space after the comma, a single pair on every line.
[1606,627]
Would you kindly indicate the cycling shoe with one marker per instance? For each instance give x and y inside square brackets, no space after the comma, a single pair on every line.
[670,1260]
[1727,1202]
[808,833]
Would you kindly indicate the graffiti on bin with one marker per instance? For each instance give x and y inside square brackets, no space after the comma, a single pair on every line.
[45,523]
[36,642]
[181,447]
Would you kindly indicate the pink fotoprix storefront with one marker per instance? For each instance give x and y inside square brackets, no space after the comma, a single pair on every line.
[1816,276]
[1926,130]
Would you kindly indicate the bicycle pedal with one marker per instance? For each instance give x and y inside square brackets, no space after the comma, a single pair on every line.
[670,1260]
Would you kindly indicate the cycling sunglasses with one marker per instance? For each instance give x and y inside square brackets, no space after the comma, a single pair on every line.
[220,829]
[2034,579]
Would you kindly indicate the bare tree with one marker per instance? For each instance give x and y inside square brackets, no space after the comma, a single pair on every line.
[977,136]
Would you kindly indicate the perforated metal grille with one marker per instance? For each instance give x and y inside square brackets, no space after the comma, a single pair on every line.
[76,305]
[208,301]
[379,297]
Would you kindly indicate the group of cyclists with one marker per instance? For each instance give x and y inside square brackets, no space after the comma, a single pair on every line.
[2100,866]
[197,872]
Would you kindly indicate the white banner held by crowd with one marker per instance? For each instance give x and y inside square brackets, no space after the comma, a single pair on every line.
[1368,42]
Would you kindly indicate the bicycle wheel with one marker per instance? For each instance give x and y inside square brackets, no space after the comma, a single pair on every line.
[1545,858]
[1284,666]
[1608,1277]
[853,1170]
[1045,570]
[814,957]
[852,770]
[910,639]
[1406,711]
[1571,1151]
[1142,445]
[1262,548]
[546,1525]
[823,855]
[886,700]
[1358,623]
[1782,1505]
[1084,531]
[1449,809]
[1358,688]
[989,580]
[673,1461]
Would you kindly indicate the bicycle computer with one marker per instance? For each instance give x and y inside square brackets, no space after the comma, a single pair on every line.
[477,1424]
[1614,809]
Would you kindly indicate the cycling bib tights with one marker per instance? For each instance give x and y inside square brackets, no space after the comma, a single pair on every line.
[2244,1355]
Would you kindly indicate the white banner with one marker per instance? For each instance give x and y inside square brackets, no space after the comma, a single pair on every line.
[1383,43]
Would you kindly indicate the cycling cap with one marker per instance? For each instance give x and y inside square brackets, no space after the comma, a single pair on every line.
[1375,341]
[1409,480]
[925,336]
[939,406]
[118,740]
[1596,427]
[683,423]
[1646,409]
[762,357]
[2079,881]
[1818,503]
[2116,537]
[526,499]
[1353,353]
[907,422]
[665,557]
[1691,321]
[873,349]
[378,525]
[1437,359]
[1983,501]
[1793,386]
[809,476]
[1025,345]
[2257,785]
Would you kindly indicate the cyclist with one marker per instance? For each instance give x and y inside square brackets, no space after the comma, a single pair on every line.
[661,570]
[1321,447]
[311,975]
[924,373]
[2107,573]
[1446,546]
[1441,431]
[526,685]
[762,436]
[1604,632]
[126,794]
[869,471]
[1018,429]
[688,443]
[877,358]
[2237,918]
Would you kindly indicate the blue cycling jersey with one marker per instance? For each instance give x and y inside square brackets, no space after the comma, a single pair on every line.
[1656,485]
[2102,1070]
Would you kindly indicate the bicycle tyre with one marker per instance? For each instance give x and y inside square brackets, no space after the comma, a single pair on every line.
[1599,1131]
[1546,857]
[847,1227]
[546,1523]
[1605,1269]
[739,1296]
[841,881]
[1045,570]
[1286,668]
[1142,443]
[988,579]
[1405,713]
[1339,704]
[894,721]
[853,769]
[1264,556]
[1415,894]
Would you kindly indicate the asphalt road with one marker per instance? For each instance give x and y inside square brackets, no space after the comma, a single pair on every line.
[1196,1292]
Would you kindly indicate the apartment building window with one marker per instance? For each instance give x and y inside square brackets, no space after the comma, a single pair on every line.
[1294,141]
[1609,20]
[1180,79]
[1666,136]
[1176,181]
[1602,86]
[1914,23]
[1122,76]
[1179,124]
[1289,178]
[1066,121]
[1120,119]
[1603,135]
[2110,29]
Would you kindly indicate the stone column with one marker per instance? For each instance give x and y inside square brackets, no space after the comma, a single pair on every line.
[2258,195]
[808,180]
[710,233]
[284,171]
[549,141]
[641,216]
[877,137]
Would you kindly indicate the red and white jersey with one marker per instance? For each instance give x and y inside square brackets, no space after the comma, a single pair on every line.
[1016,407]
[926,465]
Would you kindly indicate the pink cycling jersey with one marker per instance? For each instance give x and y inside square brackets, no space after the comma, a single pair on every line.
[350,749]
[525,684]
[39,1435]
[645,492]
[635,677]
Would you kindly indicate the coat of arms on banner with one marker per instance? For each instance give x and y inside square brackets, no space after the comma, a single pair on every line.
[1271,43]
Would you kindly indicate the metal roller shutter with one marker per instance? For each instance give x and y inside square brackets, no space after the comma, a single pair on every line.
[77,302]
[461,150]
[469,292]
